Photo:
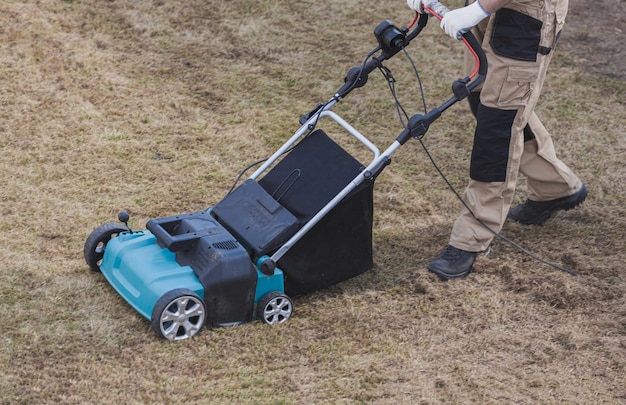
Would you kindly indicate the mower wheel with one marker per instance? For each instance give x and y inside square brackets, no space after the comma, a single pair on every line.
[179,314]
[96,243]
[274,307]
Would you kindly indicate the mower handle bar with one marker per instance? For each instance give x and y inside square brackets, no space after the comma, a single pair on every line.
[392,40]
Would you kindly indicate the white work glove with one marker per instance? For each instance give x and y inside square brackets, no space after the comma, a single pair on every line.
[457,22]
[416,5]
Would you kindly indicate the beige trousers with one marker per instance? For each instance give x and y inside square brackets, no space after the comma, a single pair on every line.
[513,84]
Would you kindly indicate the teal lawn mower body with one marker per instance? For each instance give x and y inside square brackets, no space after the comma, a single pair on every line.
[168,291]
[221,266]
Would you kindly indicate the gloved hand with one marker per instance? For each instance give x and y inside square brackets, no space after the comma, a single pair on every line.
[416,5]
[457,22]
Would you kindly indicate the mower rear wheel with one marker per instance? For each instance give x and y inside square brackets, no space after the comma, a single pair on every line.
[179,314]
[96,243]
[274,307]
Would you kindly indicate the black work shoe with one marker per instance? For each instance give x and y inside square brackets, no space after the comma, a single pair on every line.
[538,212]
[452,263]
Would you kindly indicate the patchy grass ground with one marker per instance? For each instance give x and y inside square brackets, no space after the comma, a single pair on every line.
[155,107]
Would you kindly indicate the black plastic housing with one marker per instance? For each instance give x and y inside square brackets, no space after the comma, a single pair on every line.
[256,219]
[220,262]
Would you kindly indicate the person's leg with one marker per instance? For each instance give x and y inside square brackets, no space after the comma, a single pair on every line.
[552,186]
[498,147]
[507,101]
[547,177]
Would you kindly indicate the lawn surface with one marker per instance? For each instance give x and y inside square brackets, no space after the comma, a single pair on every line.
[155,107]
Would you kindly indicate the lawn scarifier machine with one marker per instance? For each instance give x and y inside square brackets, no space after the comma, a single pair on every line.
[302,221]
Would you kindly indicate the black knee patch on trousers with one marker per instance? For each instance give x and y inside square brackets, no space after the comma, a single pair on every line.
[490,154]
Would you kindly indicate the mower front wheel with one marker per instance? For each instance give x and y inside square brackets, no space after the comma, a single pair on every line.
[179,314]
[96,243]
[274,307]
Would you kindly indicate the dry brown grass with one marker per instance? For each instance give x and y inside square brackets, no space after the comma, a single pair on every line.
[155,106]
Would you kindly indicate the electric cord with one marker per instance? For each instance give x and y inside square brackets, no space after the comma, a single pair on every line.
[241,173]
[251,165]
[391,81]
[387,74]
[496,234]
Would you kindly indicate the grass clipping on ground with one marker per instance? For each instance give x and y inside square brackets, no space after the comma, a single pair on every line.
[155,107]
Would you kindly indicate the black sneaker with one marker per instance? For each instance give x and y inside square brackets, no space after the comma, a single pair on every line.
[452,263]
[538,212]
